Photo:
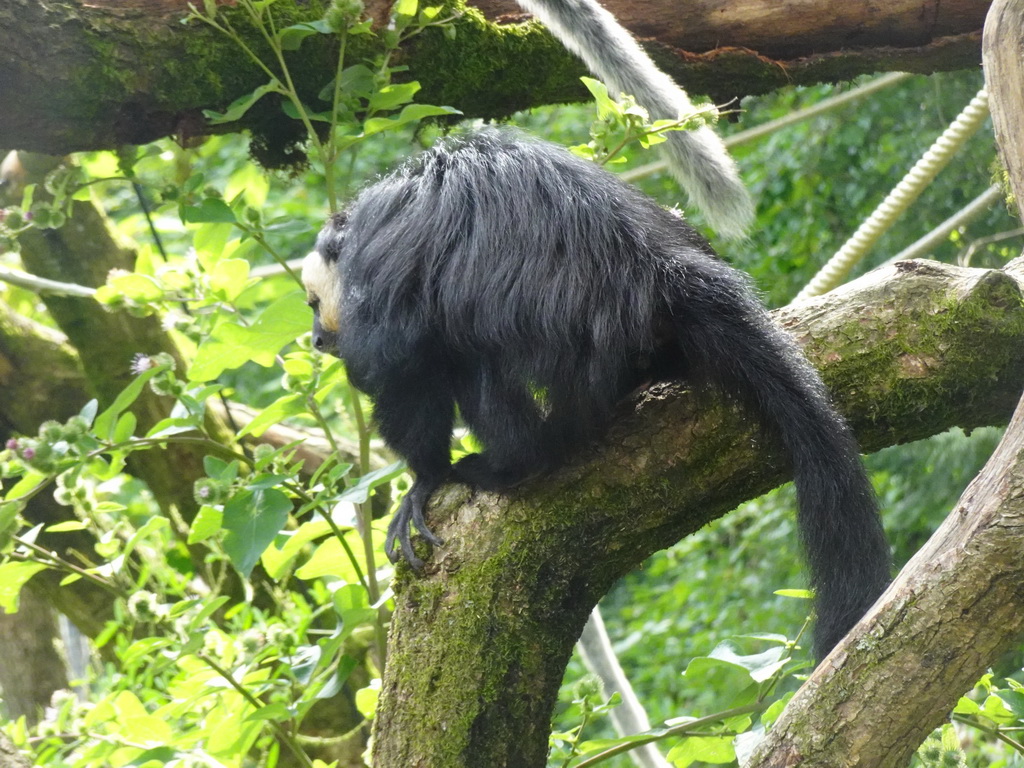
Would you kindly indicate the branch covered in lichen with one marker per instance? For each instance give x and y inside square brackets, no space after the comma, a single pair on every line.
[909,350]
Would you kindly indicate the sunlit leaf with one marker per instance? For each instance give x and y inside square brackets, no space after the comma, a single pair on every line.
[252,519]
[241,105]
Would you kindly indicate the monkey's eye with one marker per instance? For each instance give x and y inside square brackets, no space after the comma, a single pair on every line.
[313,303]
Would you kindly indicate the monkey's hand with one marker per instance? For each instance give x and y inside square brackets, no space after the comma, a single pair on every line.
[410,511]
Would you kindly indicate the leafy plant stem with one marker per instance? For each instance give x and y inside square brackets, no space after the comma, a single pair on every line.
[340,536]
[139,442]
[335,103]
[577,738]
[365,515]
[56,561]
[996,731]
[292,93]
[257,235]
[676,730]
[283,733]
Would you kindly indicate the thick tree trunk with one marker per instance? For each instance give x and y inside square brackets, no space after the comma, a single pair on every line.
[83,251]
[9,755]
[786,29]
[30,667]
[40,378]
[102,74]
[479,643]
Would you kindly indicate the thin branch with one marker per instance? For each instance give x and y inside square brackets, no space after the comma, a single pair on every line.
[43,286]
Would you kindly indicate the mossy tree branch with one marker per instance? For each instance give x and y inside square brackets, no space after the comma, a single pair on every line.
[959,603]
[102,74]
[909,350]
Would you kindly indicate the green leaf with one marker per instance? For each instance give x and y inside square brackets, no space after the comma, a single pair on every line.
[1014,700]
[800,594]
[362,28]
[241,105]
[358,79]
[410,114]
[218,469]
[331,559]
[997,710]
[289,544]
[360,492]
[169,427]
[366,699]
[212,209]
[291,37]
[252,519]
[706,749]
[405,8]
[276,412]
[353,606]
[771,714]
[759,666]
[8,521]
[125,427]
[292,111]
[304,661]
[207,522]
[229,277]
[276,712]
[209,607]
[966,706]
[25,485]
[88,411]
[606,105]
[134,724]
[13,577]
[68,525]
[106,421]
[210,240]
[140,288]
[232,345]
[393,96]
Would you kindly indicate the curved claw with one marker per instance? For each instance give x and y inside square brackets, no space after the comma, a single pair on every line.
[410,511]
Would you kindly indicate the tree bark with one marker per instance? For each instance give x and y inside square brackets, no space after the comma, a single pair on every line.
[479,643]
[955,608]
[98,75]
[10,757]
[30,667]
[83,251]
[786,30]
[959,603]
[40,378]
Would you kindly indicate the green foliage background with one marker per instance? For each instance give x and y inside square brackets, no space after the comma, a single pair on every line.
[215,212]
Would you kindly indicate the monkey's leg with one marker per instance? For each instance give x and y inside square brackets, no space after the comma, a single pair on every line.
[415,414]
[505,417]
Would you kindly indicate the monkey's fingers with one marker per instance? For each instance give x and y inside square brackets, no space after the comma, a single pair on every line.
[399,529]
[420,524]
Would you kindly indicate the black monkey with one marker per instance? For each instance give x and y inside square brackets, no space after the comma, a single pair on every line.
[535,290]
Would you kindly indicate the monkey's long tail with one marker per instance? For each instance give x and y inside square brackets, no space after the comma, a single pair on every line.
[698,159]
[728,335]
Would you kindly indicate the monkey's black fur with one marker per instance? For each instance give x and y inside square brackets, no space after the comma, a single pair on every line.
[534,290]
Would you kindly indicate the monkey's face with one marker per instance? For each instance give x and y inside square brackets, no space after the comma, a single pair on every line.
[323,294]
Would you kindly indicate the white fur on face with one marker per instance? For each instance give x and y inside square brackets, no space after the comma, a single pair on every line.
[323,286]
